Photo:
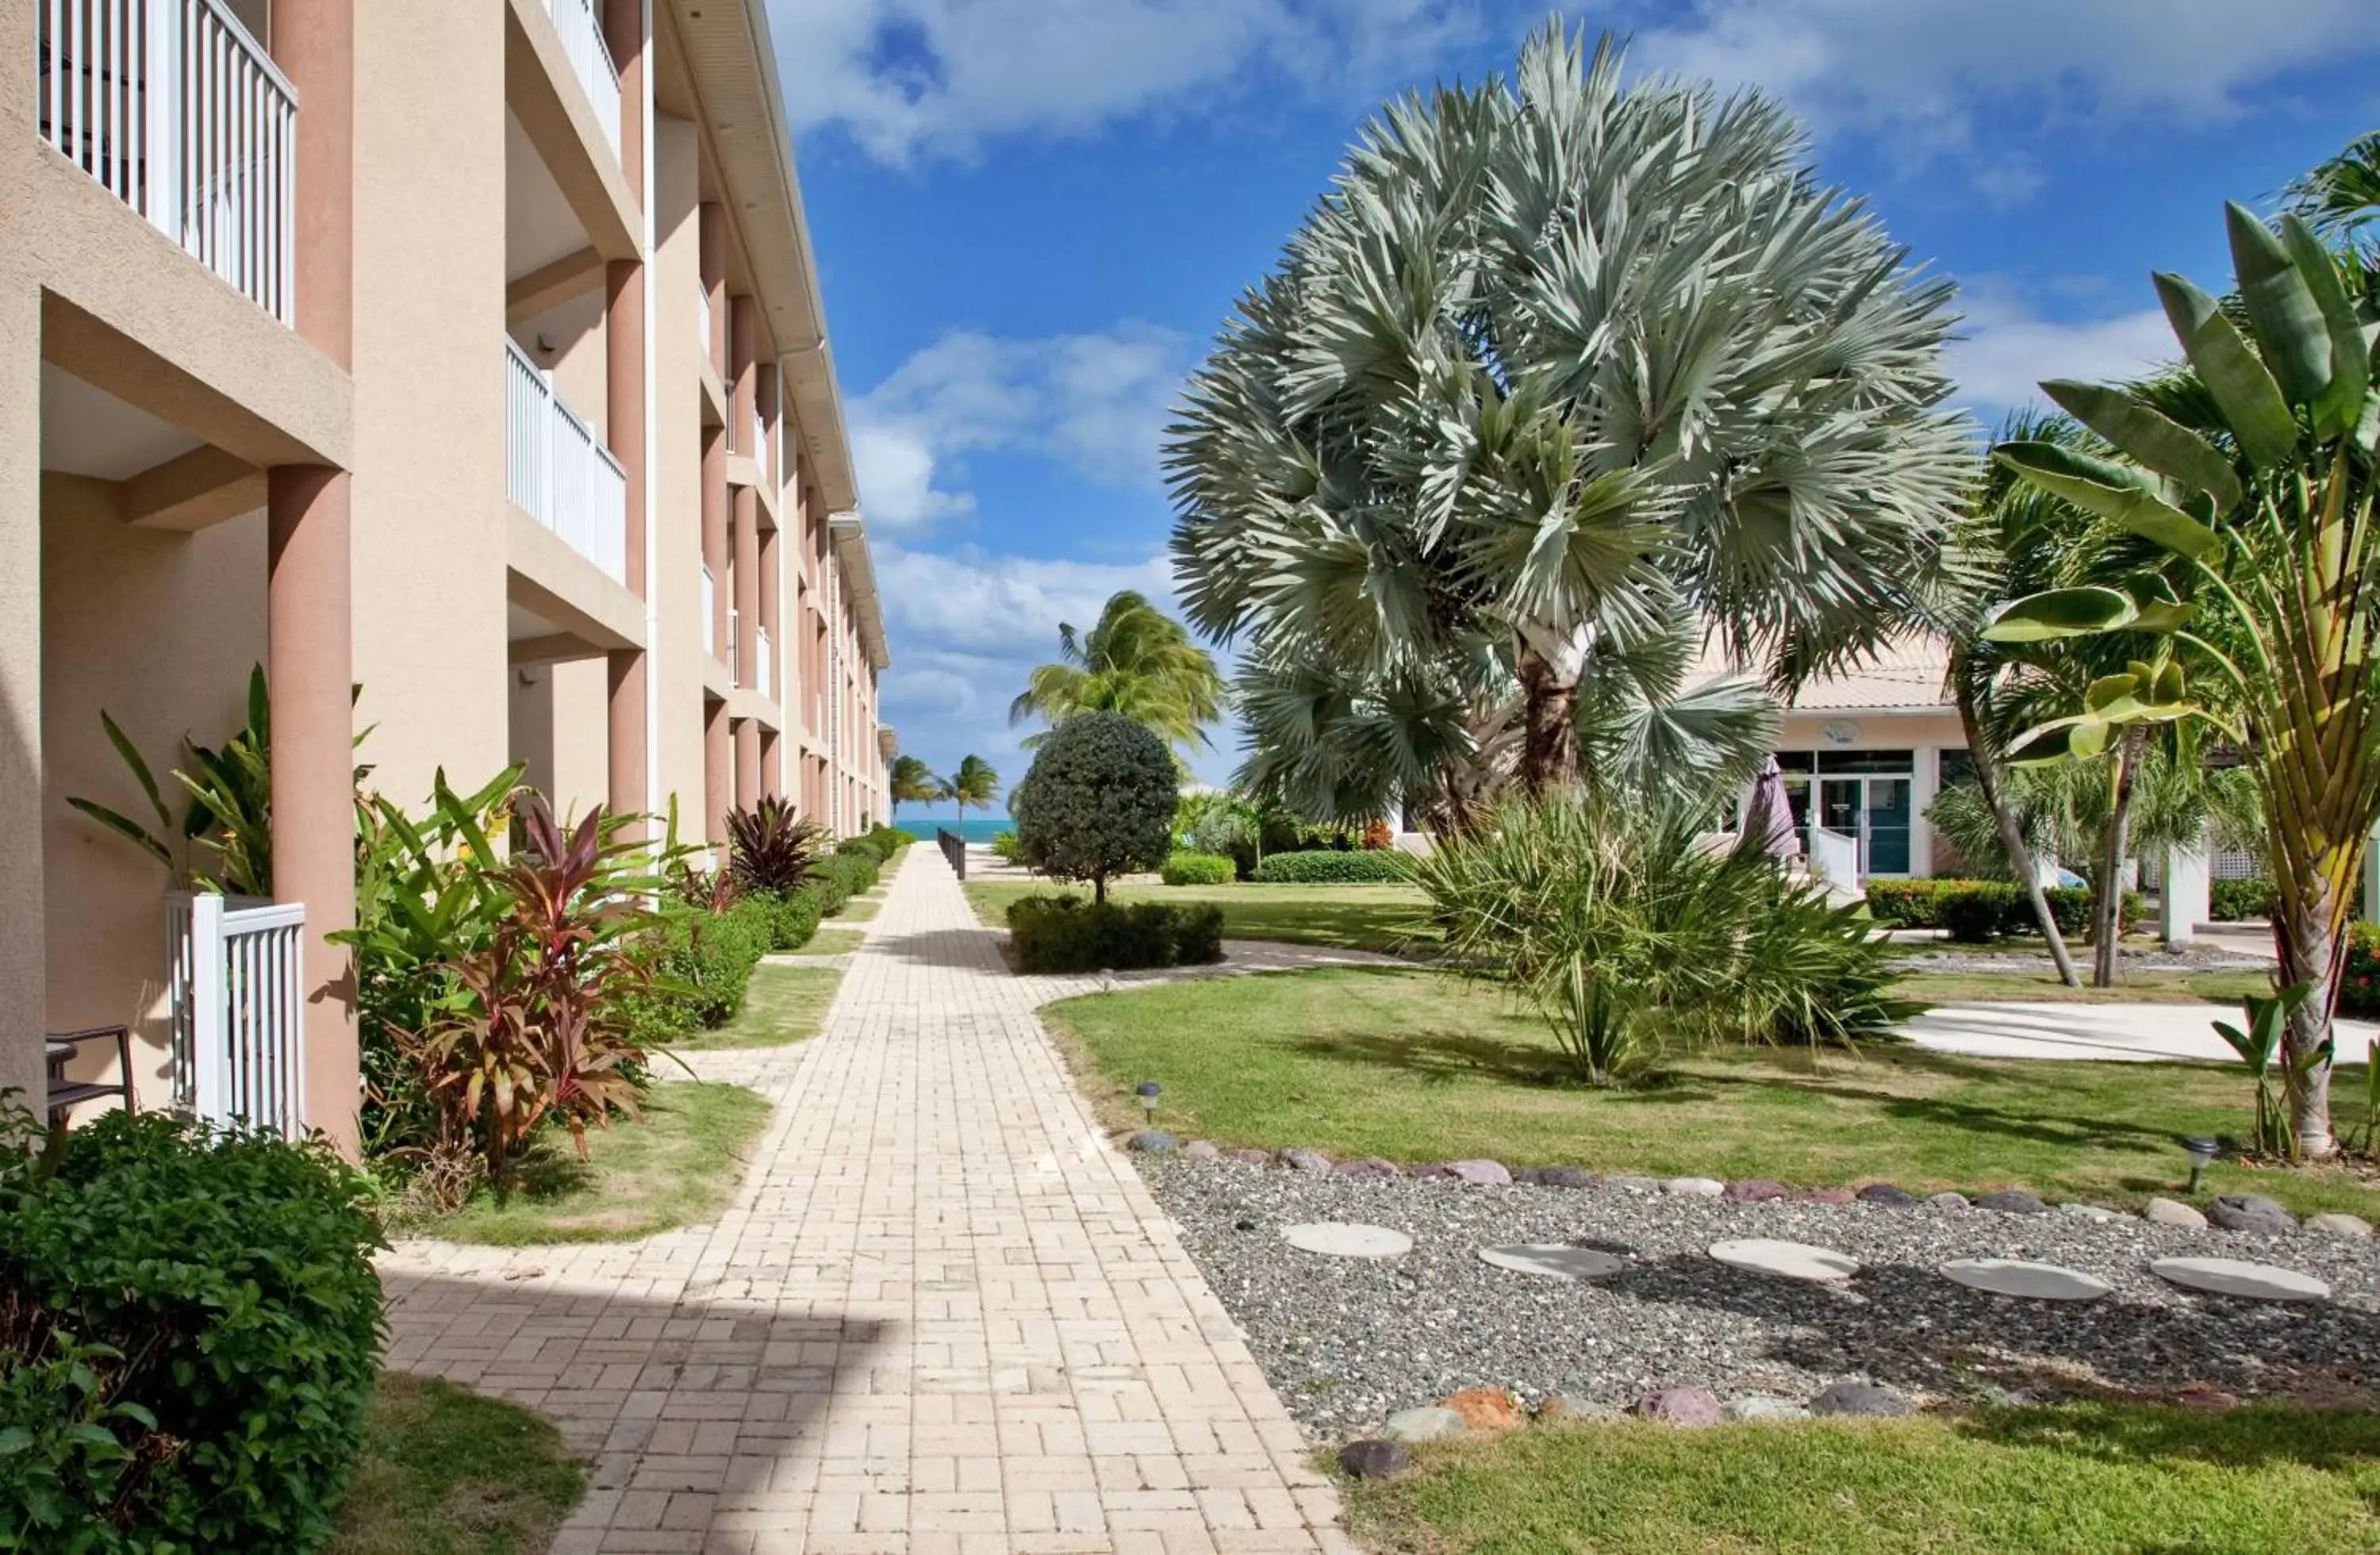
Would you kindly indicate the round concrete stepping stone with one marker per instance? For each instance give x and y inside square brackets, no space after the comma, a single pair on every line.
[1787,1260]
[2036,1281]
[1346,1239]
[1556,1260]
[2233,1277]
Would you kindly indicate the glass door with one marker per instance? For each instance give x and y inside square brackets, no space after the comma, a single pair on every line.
[1885,849]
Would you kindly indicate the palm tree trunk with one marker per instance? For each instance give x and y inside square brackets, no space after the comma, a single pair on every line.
[2107,914]
[2308,920]
[1550,753]
[2012,834]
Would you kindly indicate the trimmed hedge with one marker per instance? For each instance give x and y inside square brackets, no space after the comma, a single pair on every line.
[2231,901]
[1070,934]
[2359,979]
[1985,909]
[1334,866]
[189,1327]
[1198,869]
[854,872]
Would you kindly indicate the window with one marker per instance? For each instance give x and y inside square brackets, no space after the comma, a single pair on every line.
[1863,794]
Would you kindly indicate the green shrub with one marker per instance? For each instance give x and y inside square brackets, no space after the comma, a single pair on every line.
[1906,903]
[1068,934]
[793,918]
[1005,847]
[2359,979]
[1198,869]
[889,840]
[1977,911]
[1332,867]
[1098,800]
[2232,901]
[854,872]
[189,1327]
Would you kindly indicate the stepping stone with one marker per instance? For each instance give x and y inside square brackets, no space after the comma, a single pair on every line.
[1787,1260]
[2036,1281]
[2231,1276]
[1346,1239]
[1555,1261]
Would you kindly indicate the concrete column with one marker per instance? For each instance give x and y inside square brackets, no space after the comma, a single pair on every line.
[748,762]
[772,763]
[2182,905]
[625,423]
[773,613]
[742,383]
[717,772]
[23,974]
[624,705]
[748,586]
[711,228]
[714,532]
[624,32]
[764,390]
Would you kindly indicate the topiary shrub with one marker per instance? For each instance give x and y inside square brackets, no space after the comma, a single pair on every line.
[189,1327]
[1068,934]
[793,919]
[1334,868]
[1906,903]
[1097,802]
[1198,869]
[854,872]
[1977,911]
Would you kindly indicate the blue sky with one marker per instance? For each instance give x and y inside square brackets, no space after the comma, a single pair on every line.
[1031,216]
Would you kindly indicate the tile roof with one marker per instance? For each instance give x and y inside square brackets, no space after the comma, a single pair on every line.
[1905,675]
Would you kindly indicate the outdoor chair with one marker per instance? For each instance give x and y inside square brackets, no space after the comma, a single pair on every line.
[66,1093]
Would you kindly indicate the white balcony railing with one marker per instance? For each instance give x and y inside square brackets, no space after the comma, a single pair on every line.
[182,115]
[236,1010]
[763,673]
[710,611]
[590,60]
[558,473]
[734,646]
[759,447]
[702,317]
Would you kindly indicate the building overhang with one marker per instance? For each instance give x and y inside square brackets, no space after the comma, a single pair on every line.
[851,549]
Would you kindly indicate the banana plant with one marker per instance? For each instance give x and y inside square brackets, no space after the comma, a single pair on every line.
[2259,1047]
[228,812]
[2255,470]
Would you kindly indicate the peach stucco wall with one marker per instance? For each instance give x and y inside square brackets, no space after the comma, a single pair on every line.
[678,656]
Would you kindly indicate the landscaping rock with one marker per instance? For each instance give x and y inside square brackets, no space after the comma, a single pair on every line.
[1429,1423]
[1478,1173]
[2251,1282]
[1202,1150]
[1948,1201]
[1861,1398]
[1485,1409]
[1886,1194]
[1785,1261]
[2012,1201]
[1827,1195]
[1251,1158]
[1762,1407]
[2173,1212]
[1683,1406]
[1577,1406]
[2252,1212]
[2354,1228]
[1151,1142]
[1370,1166]
[1558,1177]
[1554,1261]
[2034,1282]
[1694,1187]
[1374,1460]
[1633,1185]
[2088,1211]
[1306,1160]
[1759,1190]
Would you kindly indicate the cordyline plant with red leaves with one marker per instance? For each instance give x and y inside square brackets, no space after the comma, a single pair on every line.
[544,1031]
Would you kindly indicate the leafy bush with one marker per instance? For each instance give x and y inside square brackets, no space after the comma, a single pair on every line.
[2231,901]
[793,918]
[889,841]
[769,848]
[1334,868]
[1984,908]
[1007,846]
[1977,911]
[854,872]
[1068,934]
[189,1327]
[1913,903]
[1628,939]
[1198,869]
[2359,979]
[1098,800]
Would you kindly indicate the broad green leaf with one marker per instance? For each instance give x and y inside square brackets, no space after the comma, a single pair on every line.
[2088,741]
[2243,390]
[2119,493]
[2291,331]
[140,772]
[127,827]
[2058,614]
[2110,690]
[2145,434]
[2163,616]
[2350,355]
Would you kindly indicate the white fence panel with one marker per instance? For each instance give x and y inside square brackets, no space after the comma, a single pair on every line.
[1835,858]
[235,987]
[558,471]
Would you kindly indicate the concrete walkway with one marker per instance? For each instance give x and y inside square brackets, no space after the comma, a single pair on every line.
[2137,1032]
[942,1315]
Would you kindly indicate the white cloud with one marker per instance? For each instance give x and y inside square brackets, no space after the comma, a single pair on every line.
[1916,74]
[2009,349]
[1094,403]
[908,78]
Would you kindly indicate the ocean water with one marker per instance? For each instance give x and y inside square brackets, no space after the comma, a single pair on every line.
[977,827]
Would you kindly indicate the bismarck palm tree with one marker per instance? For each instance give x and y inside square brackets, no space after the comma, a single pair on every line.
[1137,660]
[910,780]
[1558,368]
[974,784]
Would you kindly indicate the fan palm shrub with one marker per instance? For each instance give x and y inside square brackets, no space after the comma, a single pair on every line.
[1137,661]
[2262,490]
[1560,367]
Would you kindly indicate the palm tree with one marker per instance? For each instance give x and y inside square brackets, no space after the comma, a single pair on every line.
[1558,367]
[911,781]
[2340,198]
[975,783]
[2259,477]
[1137,660]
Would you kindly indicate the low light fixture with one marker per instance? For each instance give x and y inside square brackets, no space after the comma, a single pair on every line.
[1148,1091]
[2200,1151]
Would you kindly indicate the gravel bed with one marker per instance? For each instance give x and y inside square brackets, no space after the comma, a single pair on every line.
[2192,958]
[1348,1341]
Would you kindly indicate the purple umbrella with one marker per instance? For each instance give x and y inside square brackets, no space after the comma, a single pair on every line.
[1768,819]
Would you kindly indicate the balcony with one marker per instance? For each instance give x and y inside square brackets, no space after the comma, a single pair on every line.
[710,611]
[558,471]
[179,113]
[590,61]
[702,317]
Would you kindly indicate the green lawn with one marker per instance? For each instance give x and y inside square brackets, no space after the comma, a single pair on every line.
[1339,917]
[677,1166]
[447,1471]
[2082,1479]
[1418,1065]
[781,1004]
[860,909]
[831,941]
[2158,987]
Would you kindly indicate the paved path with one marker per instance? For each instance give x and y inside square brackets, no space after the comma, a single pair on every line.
[2139,1032]
[942,1315]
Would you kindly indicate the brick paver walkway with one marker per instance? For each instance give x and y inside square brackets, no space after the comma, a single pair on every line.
[942,1315]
